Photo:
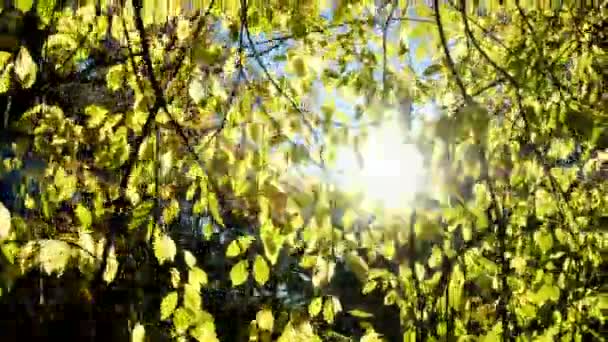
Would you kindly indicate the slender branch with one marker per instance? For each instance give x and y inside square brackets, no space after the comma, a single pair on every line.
[446,51]
[274,83]
[488,87]
[478,47]
[265,52]
[384,38]
[414,19]
[487,33]
[237,81]
[181,53]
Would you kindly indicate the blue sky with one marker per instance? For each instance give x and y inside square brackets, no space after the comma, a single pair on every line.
[347,106]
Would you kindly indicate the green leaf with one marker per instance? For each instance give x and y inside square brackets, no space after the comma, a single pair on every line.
[175,277]
[192,298]
[360,313]
[138,334]
[25,68]
[204,332]
[55,255]
[265,319]
[166,163]
[482,196]
[298,65]
[190,259]
[547,292]
[245,242]
[215,209]
[164,248]
[197,277]
[171,212]
[545,204]
[168,305]
[261,272]
[314,308]
[197,91]
[272,241]
[96,115]
[544,240]
[233,249]
[420,271]
[409,336]
[84,216]
[115,77]
[331,307]
[357,265]
[323,272]
[182,320]
[519,264]
[371,336]
[432,70]
[239,273]
[391,298]
[494,334]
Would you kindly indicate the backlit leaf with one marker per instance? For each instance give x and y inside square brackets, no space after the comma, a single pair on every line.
[168,305]
[239,273]
[84,216]
[138,334]
[25,68]
[261,272]
[233,249]
[197,277]
[315,306]
[265,319]
[164,248]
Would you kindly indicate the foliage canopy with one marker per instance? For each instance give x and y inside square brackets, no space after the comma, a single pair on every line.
[144,163]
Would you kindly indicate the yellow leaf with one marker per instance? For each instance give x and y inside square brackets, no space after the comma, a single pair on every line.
[233,249]
[138,334]
[239,273]
[261,272]
[265,319]
[25,68]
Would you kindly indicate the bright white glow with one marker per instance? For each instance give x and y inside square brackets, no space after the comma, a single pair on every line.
[392,173]
[392,170]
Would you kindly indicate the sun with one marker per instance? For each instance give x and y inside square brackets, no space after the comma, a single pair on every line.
[393,171]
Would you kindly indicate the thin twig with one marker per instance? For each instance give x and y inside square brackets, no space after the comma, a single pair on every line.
[446,51]
[384,38]
[274,83]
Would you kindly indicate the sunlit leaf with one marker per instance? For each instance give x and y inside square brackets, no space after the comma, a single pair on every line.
[233,249]
[164,249]
[175,277]
[215,209]
[204,332]
[190,259]
[192,298]
[95,115]
[182,319]
[544,240]
[138,334]
[84,216]
[168,305]
[25,68]
[239,273]
[315,306]
[265,319]
[261,271]
[197,277]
